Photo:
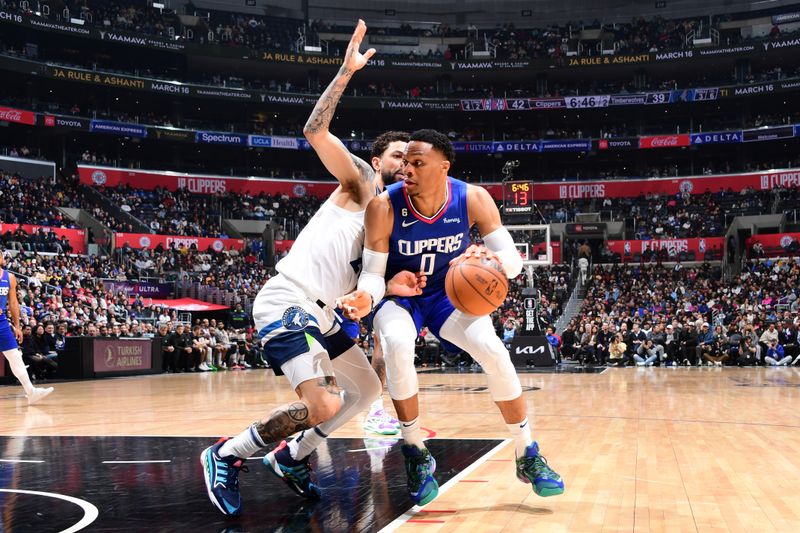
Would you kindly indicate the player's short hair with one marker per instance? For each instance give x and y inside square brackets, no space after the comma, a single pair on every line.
[439,141]
[383,141]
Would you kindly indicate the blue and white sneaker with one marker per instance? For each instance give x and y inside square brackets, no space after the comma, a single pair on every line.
[420,466]
[296,474]
[222,479]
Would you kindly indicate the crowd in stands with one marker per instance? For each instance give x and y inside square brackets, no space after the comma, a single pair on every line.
[273,33]
[656,315]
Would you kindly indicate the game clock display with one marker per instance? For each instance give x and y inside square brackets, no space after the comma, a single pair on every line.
[518,198]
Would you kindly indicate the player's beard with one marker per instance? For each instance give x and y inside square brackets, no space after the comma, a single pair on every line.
[389,177]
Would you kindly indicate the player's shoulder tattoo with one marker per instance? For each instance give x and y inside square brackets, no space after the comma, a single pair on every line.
[366,170]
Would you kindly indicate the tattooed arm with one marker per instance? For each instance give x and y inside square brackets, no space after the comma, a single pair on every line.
[351,171]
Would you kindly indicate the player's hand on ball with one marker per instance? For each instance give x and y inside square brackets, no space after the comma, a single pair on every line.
[353,58]
[355,305]
[406,284]
[476,250]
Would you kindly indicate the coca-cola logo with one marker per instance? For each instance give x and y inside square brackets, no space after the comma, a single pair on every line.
[10,115]
[664,141]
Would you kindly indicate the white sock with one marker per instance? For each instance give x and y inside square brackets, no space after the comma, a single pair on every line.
[521,432]
[306,443]
[376,406]
[411,433]
[243,445]
[17,365]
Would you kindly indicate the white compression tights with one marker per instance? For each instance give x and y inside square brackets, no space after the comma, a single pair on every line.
[475,335]
[17,365]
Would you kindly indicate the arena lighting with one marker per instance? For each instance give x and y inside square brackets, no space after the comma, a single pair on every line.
[77,21]
[158,5]
[309,48]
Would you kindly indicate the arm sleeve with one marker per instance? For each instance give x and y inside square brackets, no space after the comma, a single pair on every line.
[500,242]
[373,272]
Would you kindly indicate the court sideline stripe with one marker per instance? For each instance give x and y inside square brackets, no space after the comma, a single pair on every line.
[411,513]
[136,462]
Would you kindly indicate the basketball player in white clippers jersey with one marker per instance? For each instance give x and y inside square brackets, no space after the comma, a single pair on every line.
[11,335]
[295,318]
[425,221]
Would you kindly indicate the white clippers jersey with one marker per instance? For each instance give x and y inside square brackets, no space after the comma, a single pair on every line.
[325,260]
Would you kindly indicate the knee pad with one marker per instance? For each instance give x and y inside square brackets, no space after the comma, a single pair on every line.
[356,376]
[478,338]
[397,333]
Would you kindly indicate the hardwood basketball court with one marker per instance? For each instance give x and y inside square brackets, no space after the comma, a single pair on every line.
[640,449]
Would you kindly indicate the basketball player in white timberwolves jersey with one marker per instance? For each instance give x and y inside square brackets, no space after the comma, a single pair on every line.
[294,312]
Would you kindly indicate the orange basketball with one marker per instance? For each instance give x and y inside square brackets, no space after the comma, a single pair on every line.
[476,285]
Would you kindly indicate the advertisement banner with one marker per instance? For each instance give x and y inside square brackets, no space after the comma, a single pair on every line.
[632,188]
[18,116]
[172,134]
[260,141]
[775,244]
[76,237]
[719,137]
[664,141]
[283,246]
[768,134]
[579,145]
[56,121]
[118,128]
[210,137]
[122,355]
[617,144]
[674,247]
[201,184]
[139,241]
[142,288]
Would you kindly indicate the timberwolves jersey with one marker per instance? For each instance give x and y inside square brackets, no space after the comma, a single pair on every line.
[7,339]
[326,257]
[422,244]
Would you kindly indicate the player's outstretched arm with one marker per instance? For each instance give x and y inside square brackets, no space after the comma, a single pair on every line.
[484,214]
[351,171]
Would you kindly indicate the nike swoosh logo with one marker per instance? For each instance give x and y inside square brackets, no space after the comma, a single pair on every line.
[408,425]
[406,224]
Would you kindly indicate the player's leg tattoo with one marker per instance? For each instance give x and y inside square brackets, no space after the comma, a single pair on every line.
[283,421]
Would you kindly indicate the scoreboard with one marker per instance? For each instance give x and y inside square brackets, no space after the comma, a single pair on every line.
[518,199]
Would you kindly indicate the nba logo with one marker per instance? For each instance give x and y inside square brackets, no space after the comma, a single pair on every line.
[702,246]
[530,303]
[627,247]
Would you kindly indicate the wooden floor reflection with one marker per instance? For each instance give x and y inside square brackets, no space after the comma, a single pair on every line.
[640,449]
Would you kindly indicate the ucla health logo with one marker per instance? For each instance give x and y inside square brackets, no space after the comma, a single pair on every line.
[99,177]
[686,186]
[295,318]
[144,241]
